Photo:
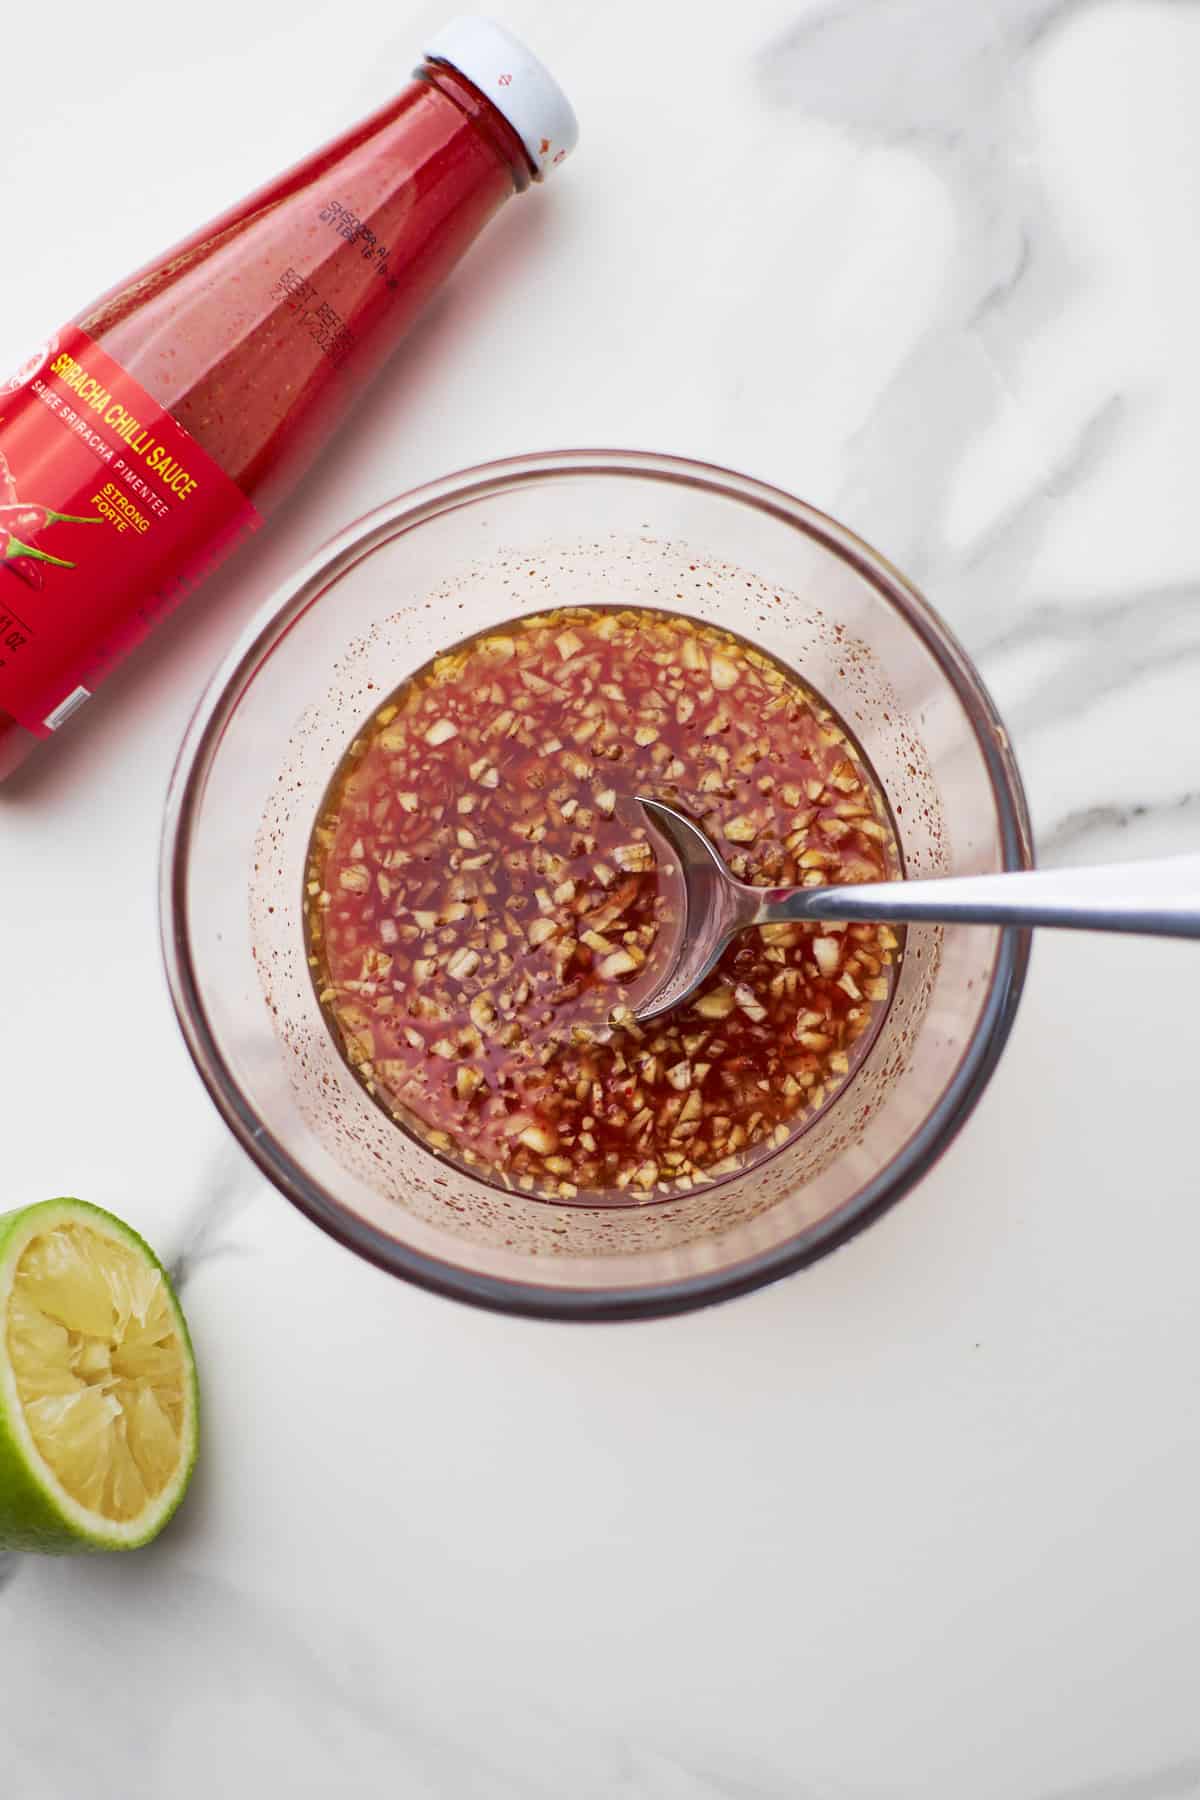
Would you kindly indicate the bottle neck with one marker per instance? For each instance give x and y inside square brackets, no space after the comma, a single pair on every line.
[488,121]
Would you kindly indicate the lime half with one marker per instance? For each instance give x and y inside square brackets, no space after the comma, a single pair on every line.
[98,1400]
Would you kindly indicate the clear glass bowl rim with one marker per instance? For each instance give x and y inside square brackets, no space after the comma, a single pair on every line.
[219,702]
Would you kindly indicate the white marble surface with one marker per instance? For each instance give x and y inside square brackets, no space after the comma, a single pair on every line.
[921,1521]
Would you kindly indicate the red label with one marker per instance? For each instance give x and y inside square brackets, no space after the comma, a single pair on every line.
[110,513]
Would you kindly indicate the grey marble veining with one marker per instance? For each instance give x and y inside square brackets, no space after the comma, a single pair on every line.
[950,84]
[1173,1781]
[225,1185]
[1078,828]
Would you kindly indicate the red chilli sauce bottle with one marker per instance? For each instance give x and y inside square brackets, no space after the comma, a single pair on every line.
[140,445]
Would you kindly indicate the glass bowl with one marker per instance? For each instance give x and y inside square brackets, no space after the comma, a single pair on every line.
[490,544]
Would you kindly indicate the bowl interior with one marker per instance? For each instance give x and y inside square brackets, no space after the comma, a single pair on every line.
[412,580]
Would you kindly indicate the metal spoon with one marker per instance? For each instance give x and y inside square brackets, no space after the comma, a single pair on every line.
[1161,899]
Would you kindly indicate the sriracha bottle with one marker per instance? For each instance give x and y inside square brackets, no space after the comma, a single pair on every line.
[145,440]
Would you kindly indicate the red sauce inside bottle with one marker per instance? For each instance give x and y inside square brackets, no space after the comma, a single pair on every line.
[258,332]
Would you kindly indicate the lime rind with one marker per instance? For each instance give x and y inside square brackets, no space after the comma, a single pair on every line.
[36,1511]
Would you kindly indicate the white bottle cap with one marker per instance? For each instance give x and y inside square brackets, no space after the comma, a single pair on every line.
[515,82]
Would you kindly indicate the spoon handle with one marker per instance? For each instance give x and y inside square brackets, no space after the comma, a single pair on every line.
[1159,898]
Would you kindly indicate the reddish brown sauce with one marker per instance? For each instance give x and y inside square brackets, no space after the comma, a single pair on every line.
[484,904]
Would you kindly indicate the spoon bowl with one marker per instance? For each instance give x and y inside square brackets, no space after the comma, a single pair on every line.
[1156,899]
[713,908]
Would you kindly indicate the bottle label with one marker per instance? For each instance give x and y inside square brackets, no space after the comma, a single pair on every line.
[110,513]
